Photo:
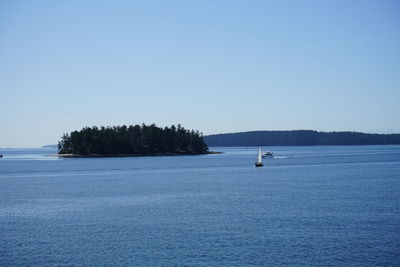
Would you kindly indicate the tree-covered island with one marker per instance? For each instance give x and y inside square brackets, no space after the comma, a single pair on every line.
[137,140]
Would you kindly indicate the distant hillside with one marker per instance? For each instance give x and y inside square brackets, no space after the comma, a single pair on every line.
[50,146]
[299,138]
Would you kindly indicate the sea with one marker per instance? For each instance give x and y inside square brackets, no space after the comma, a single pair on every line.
[308,206]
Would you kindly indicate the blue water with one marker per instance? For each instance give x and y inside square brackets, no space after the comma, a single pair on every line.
[311,206]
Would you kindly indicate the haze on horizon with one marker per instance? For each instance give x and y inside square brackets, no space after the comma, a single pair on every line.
[215,66]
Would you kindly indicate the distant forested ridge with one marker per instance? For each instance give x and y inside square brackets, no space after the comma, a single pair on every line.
[300,138]
[132,140]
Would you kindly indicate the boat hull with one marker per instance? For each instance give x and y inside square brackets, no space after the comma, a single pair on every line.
[258,164]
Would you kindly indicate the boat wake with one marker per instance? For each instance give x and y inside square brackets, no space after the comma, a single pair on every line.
[332,155]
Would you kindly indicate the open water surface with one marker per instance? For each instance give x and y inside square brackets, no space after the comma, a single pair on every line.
[311,206]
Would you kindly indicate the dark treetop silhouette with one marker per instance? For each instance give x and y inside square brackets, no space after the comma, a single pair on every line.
[137,140]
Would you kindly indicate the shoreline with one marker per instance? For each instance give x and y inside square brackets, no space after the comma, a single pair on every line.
[130,155]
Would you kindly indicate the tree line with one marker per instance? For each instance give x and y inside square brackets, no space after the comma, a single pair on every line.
[300,138]
[133,139]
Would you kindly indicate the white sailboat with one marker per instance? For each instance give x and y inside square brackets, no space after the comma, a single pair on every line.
[259,159]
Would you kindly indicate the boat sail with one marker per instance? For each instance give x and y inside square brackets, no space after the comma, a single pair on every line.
[259,159]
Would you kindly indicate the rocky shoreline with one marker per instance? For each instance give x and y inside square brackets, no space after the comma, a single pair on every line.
[130,155]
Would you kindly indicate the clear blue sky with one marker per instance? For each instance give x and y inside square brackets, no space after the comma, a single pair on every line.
[215,66]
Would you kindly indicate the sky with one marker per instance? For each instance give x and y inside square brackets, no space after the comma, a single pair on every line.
[215,66]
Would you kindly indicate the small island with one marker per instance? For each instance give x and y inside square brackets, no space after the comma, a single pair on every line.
[133,140]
